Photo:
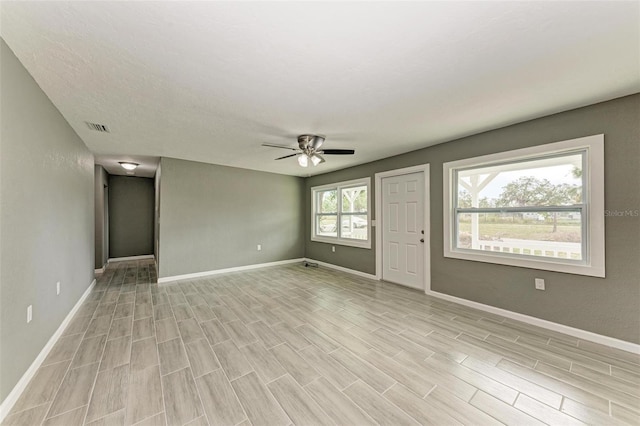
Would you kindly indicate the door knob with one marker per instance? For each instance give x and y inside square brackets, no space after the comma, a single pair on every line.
[422,240]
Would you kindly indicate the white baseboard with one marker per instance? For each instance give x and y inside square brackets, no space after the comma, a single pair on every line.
[224,271]
[98,271]
[17,390]
[571,331]
[124,259]
[343,269]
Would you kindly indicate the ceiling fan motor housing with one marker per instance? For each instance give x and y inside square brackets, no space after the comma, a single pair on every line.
[310,143]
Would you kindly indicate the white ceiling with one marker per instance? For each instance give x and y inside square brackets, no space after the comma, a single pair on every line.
[211,81]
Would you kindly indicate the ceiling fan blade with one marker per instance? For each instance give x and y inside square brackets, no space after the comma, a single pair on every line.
[279,146]
[286,156]
[338,151]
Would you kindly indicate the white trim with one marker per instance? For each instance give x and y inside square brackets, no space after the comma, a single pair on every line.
[595,242]
[124,259]
[363,244]
[549,325]
[346,183]
[424,168]
[342,269]
[225,270]
[17,390]
[351,242]
[98,271]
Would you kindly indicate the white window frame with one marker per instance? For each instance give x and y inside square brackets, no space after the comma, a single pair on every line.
[337,240]
[593,210]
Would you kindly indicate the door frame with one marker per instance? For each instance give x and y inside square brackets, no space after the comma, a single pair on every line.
[426,212]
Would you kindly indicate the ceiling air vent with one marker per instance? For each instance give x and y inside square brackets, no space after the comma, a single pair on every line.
[97,127]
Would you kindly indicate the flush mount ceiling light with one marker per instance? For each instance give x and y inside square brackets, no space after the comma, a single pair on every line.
[127,165]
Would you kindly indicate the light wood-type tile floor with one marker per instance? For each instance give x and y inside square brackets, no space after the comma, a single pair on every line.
[305,346]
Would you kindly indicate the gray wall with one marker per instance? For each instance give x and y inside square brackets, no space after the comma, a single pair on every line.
[131,216]
[212,217]
[606,306]
[46,219]
[101,190]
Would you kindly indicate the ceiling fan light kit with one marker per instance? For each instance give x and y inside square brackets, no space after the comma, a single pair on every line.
[303,160]
[309,150]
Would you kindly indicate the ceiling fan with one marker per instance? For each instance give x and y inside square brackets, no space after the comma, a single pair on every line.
[309,151]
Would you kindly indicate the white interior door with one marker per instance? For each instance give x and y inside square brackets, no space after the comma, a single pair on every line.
[403,229]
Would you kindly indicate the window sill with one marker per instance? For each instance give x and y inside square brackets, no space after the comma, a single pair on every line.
[545,264]
[343,242]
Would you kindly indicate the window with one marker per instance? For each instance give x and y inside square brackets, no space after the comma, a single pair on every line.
[341,213]
[539,207]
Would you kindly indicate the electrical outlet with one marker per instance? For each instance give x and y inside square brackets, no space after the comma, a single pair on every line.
[259,247]
[539,284]
[58,288]
[333,249]
[29,313]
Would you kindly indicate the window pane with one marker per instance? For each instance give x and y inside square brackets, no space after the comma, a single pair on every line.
[354,227]
[545,234]
[354,200]
[554,181]
[326,226]
[340,213]
[327,201]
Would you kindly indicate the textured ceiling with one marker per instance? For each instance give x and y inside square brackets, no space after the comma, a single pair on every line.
[211,81]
